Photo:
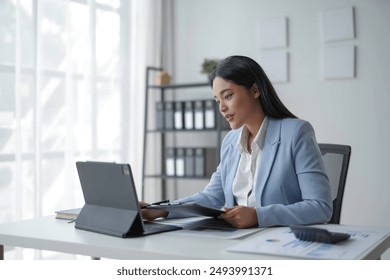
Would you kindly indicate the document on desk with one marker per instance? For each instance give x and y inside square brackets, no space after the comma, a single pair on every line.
[207,227]
[282,242]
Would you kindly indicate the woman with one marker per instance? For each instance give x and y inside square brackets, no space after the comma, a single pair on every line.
[271,170]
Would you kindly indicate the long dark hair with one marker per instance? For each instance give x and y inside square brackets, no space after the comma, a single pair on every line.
[245,72]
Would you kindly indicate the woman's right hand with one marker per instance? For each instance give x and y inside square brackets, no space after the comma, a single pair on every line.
[151,214]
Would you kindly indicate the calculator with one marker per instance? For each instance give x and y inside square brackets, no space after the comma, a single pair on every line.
[315,234]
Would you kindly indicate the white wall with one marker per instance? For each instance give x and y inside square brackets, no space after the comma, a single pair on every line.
[353,112]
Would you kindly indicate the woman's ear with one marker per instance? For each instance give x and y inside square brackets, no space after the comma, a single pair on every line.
[255,91]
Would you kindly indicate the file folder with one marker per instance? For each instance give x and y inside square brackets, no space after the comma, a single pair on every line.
[198,114]
[199,162]
[189,115]
[189,162]
[179,162]
[210,112]
[170,162]
[210,161]
[168,115]
[159,115]
[179,115]
[205,162]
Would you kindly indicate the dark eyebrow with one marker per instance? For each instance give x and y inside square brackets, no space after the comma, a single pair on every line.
[223,91]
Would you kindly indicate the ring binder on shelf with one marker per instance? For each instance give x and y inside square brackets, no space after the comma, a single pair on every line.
[189,162]
[168,115]
[209,113]
[159,115]
[189,115]
[199,162]
[170,162]
[179,162]
[179,115]
[204,161]
[198,114]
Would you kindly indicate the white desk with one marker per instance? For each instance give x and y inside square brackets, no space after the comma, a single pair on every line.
[48,233]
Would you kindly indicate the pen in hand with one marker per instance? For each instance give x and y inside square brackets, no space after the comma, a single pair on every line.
[155,203]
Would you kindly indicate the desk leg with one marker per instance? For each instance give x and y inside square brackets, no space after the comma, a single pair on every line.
[1,252]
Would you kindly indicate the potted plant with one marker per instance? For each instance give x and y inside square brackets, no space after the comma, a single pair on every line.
[208,66]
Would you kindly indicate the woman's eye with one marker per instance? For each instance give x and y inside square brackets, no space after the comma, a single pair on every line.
[228,96]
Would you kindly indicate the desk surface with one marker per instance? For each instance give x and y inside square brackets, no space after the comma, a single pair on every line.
[52,234]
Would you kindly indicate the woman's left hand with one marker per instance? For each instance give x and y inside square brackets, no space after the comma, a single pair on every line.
[241,216]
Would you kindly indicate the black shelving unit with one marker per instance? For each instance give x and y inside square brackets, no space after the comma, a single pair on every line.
[162,133]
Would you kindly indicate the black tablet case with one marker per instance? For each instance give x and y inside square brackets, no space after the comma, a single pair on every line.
[111,203]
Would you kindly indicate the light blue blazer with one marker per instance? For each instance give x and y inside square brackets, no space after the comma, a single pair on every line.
[291,187]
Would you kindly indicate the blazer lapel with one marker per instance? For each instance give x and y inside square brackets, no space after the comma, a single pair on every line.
[268,155]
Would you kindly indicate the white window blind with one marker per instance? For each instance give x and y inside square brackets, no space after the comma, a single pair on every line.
[62,64]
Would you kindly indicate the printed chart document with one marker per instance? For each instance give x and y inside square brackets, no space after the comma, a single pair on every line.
[282,242]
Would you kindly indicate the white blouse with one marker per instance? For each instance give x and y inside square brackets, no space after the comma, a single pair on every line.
[243,184]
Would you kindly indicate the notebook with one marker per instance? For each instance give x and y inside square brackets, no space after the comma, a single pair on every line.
[111,201]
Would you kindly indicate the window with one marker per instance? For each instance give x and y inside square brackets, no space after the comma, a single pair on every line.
[62,64]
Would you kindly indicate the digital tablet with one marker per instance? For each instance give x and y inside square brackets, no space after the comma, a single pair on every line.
[188,208]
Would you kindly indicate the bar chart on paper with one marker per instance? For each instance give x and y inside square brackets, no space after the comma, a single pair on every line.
[282,242]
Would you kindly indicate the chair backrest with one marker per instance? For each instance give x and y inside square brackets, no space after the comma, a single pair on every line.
[336,158]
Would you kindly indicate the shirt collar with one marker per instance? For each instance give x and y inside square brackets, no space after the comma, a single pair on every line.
[259,139]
